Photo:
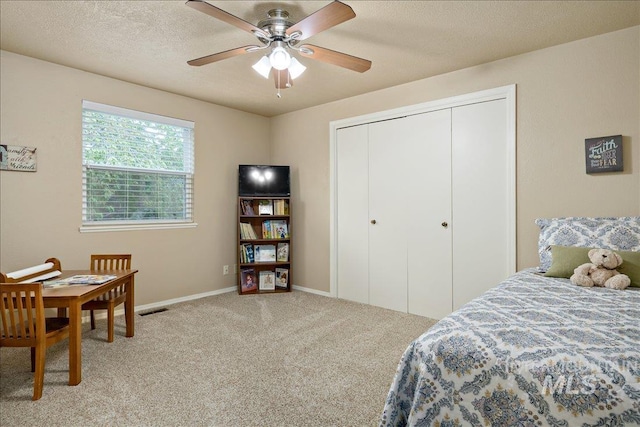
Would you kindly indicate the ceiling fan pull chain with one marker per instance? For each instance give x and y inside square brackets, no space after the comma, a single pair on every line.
[278,92]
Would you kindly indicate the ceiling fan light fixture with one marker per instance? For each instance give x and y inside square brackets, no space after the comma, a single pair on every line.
[280,58]
[263,67]
[296,68]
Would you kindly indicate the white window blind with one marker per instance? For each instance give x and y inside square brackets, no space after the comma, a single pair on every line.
[137,168]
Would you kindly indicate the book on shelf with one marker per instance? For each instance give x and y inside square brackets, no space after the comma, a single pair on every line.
[266,229]
[282,252]
[79,279]
[267,280]
[247,207]
[246,253]
[248,280]
[264,253]
[249,251]
[247,232]
[279,229]
[265,207]
[280,207]
[275,229]
[282,277]
[251,232]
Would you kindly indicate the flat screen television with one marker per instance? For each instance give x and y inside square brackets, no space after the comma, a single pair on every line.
[263,180]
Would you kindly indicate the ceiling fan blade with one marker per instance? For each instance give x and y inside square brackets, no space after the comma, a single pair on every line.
[220,14]
[220,56]
[329,16]
[282,79]
[336,58]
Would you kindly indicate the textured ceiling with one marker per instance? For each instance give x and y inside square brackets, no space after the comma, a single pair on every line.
[150,42]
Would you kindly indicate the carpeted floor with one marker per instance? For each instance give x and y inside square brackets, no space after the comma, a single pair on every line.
[294,359]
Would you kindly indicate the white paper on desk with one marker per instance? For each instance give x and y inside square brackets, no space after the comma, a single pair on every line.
[30,270]
[42,277]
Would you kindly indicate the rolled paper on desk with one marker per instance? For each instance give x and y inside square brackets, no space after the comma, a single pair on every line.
[30,270]
[42,277]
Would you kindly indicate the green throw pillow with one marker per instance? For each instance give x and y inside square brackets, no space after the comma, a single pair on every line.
[630,266]
[564,259]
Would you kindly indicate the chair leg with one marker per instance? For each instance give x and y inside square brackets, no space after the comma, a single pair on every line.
[110,322]
[93,320]
[38,377]
[33,359]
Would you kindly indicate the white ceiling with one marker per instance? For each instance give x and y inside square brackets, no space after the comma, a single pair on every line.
[150,42]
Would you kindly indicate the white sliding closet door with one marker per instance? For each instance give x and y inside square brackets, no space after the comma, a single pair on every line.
[352,168]
[481,206]
[428,196]
[390,146]
[425,203]
[394,195]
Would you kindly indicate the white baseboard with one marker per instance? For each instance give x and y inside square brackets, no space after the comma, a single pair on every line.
[182,299]
[102,314]
[312,291]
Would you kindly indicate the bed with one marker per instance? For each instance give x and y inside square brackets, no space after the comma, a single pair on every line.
[534,351]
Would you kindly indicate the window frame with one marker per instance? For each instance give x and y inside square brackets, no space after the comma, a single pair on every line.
[143,224]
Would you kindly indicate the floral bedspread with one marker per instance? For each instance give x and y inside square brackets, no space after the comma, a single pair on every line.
[534,351]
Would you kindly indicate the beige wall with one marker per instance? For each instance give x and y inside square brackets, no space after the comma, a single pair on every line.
[565,94]
[40,212]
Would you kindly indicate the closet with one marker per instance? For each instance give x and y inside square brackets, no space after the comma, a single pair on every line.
[423,217]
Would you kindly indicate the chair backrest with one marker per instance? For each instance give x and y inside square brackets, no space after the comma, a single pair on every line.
[110,261]
[22,315]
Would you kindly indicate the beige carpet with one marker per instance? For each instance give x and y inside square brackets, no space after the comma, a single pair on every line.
[293,359]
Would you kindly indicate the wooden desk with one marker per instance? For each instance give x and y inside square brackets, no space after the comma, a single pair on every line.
[74,296]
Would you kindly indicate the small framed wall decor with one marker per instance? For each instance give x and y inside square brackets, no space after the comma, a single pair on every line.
[17,158]
[603,154]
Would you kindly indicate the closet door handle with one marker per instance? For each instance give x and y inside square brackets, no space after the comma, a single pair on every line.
[445,224]
[373,221]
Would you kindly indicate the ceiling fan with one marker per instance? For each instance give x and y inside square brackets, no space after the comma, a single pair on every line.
[281,35]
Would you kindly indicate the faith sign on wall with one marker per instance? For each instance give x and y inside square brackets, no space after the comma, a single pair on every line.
[603,154]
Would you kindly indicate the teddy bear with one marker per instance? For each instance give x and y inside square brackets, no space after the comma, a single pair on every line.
[601,271]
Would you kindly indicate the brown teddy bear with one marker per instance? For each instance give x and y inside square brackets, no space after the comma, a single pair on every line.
[601,271]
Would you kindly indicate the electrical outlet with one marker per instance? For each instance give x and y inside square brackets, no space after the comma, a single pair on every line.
[225,270]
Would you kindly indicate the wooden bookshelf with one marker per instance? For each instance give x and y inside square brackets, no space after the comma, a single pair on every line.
[264,245]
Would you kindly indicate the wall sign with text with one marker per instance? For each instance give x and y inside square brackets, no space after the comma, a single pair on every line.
[603,154]
[16,158]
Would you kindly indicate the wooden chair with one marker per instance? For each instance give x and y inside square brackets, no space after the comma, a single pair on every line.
[24,325]
[110,300]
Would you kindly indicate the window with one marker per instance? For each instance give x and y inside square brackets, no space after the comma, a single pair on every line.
[137,168]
